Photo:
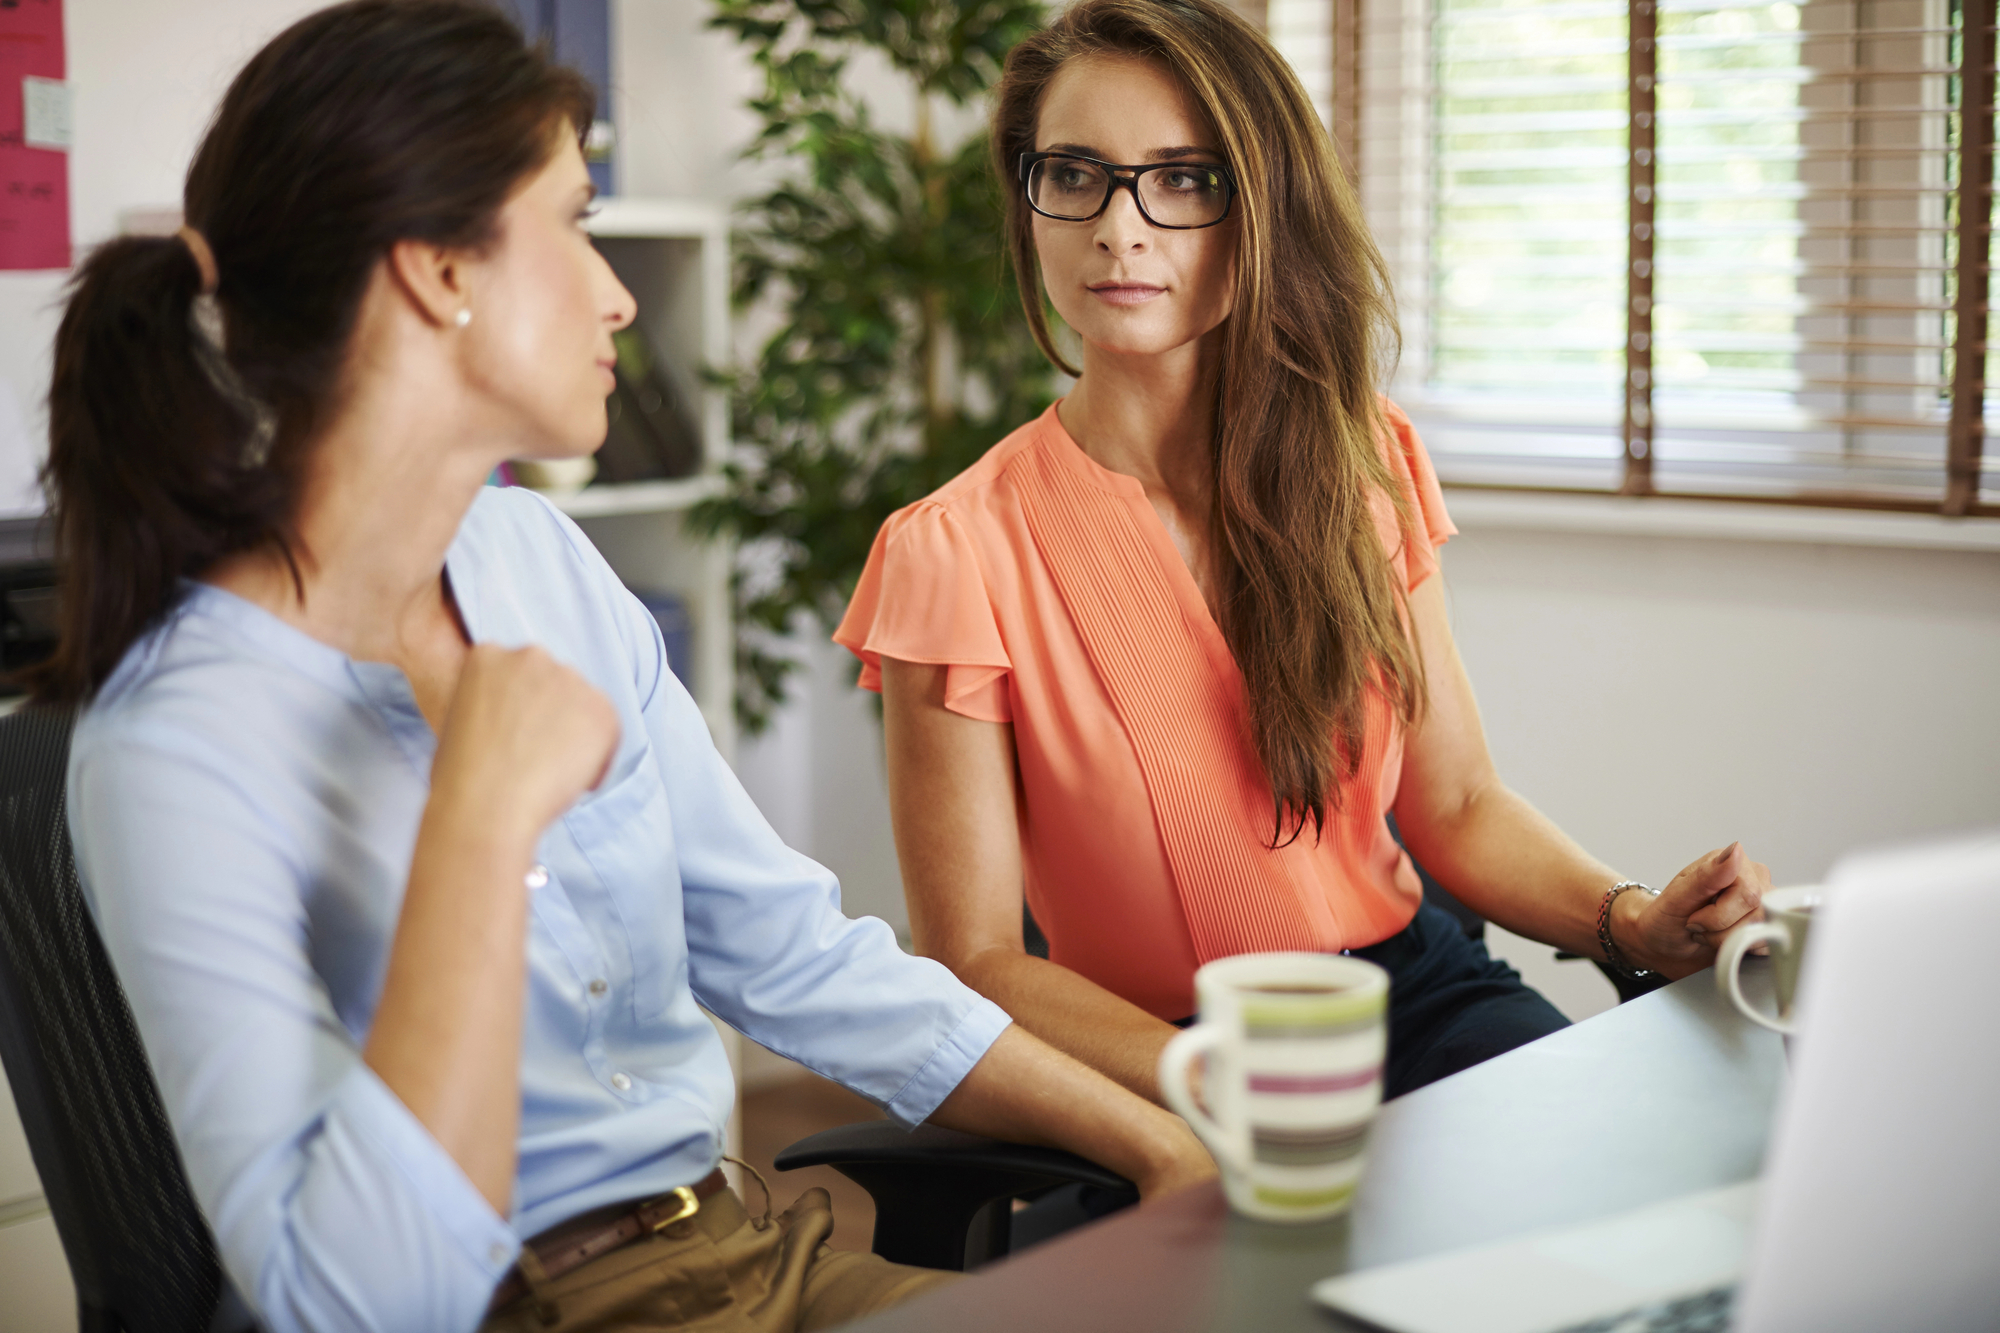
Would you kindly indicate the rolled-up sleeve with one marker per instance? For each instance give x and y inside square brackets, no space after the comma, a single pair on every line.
[335,1209]
[769,950]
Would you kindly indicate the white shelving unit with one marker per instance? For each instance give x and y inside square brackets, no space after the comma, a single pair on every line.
[673,255]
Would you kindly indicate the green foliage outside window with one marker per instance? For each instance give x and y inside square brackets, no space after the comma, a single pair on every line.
[900,353]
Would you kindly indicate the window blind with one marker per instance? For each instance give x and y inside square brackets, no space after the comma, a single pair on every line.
[1303,31]
[1702,247]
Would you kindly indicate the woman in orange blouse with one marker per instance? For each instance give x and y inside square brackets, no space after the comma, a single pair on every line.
[1165,659]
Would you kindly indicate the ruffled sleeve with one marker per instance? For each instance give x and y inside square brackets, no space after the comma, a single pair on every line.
[922,598]
[1410,464]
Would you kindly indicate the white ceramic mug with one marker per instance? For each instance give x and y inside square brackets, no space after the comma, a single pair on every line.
[1293,1046]
[1787,921]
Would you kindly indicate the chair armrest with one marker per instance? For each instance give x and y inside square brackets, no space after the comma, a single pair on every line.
[931,1185]
[933,1147]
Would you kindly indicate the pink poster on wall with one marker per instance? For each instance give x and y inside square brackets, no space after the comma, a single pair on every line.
[34,136]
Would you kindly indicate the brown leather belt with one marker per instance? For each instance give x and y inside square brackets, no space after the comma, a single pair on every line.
[570,1245]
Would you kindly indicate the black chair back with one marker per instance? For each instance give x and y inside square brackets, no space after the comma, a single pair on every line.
[141,1255]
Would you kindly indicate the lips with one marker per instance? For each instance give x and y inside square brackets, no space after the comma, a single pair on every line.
[1126,293]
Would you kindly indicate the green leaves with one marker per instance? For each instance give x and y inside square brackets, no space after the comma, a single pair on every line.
[900,354]
[948,49]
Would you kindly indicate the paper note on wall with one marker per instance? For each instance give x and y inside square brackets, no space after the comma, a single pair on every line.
[20,457]
[34,180]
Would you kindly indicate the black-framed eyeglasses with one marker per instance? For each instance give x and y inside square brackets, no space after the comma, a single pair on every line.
[1178,196]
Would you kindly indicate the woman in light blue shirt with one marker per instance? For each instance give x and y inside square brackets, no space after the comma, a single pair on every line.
[413,856]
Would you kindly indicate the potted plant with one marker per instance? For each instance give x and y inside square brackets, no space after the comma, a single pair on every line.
[898,354]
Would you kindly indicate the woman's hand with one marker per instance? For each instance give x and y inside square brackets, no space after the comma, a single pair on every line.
[525,736]
[1679,931]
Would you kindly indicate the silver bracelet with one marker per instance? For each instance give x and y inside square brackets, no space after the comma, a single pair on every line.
[1611,953]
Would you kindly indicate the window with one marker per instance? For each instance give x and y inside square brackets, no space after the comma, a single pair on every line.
[1701,247]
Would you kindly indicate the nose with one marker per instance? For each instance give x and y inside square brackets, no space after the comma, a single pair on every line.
[622,309]
[1121,228]
[613,299]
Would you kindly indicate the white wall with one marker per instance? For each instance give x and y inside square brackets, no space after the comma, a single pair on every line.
[679,89]
[1660,696]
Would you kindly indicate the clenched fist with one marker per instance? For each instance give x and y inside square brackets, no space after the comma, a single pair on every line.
[524,737]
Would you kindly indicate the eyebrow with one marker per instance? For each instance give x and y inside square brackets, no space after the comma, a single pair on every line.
[1157,155]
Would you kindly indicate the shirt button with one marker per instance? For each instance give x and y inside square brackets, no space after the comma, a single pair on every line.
[538,876]
[598,986]
[622,1081]
[497,1254]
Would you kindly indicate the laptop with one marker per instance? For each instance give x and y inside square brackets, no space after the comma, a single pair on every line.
[1879,1208]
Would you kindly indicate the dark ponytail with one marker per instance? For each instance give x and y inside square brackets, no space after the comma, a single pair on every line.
[178,422]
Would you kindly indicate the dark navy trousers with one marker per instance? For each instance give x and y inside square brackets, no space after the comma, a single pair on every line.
[1451,1004]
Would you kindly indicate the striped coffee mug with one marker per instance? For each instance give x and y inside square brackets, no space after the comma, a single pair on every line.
[1294,1044]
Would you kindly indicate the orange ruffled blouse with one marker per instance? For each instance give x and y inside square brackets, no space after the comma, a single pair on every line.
[1050,588]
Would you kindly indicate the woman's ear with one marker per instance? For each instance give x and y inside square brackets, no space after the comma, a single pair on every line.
[433,278]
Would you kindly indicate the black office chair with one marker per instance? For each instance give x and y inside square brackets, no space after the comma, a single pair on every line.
[141,1256]
[944,1199]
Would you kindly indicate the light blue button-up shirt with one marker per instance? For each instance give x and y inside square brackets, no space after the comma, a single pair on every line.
[244,801]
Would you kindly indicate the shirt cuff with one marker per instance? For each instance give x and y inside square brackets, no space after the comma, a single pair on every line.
[374,1114]
[950,1063]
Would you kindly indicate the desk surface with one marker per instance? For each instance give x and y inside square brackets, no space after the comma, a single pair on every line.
[1671,1093]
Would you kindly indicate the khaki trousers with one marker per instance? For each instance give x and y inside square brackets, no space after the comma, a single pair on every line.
[721,1271]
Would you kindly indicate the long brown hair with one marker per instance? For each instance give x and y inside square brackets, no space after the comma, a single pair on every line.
[1308,602]
[179,423]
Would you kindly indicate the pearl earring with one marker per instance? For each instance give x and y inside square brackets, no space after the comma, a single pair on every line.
[463,317]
